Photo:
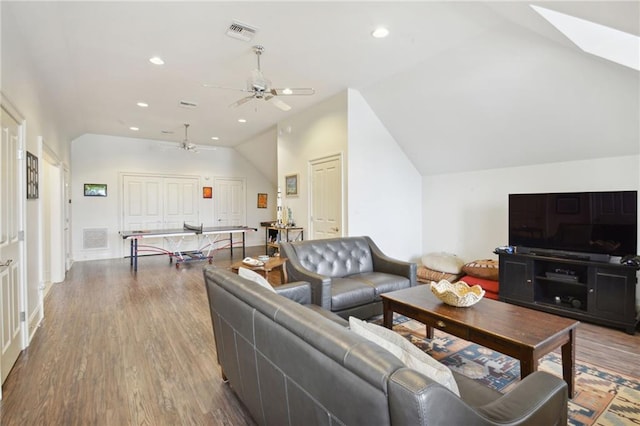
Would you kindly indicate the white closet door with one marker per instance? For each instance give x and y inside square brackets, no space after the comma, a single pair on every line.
[143,203]
[180,202]
[230,202]
[326,198]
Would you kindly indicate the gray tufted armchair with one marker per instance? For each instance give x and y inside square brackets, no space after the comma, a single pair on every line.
[347,275]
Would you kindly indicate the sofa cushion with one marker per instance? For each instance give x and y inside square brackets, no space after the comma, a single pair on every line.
[335,258]
[382,282]
[347,293]
[443,262]
[492,286]
[409,354]
[483,268]
[255,277]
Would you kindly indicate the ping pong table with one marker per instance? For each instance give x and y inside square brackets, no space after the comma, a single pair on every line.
[208,238]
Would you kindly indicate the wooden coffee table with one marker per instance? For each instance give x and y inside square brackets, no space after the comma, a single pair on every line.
[522,333]
[275,262]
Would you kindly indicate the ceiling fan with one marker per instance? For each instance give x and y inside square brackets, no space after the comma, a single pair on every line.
[186,145]
[259,87]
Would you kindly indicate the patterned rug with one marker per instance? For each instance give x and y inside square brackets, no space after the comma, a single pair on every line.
[602,397]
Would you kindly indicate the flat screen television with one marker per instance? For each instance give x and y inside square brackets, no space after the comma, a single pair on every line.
[593,225]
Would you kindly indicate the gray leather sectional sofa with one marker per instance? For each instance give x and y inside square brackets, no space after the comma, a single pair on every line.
[292,365]
[347,274]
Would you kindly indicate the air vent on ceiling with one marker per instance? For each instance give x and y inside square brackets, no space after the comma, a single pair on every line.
[188,104]
[241,31]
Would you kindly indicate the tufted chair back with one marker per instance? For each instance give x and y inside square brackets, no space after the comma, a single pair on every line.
[335,257]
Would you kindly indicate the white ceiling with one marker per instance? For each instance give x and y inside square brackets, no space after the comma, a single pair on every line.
[460,85]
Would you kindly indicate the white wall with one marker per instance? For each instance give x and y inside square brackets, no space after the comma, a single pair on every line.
[467,213]
[316,132]
[102,159]
[24,90]
[384,185]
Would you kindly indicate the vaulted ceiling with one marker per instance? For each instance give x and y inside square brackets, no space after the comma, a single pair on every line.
[460,85]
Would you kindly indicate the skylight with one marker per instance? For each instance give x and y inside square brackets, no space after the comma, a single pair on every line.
[608,43]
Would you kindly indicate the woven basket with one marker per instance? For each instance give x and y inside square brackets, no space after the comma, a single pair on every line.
[457,294]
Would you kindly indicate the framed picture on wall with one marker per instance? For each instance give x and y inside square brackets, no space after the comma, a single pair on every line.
[32,176]
[207,192]
[262,201]
[291,185]
[95,189]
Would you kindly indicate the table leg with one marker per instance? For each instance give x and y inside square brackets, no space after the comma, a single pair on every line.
[428,332]
[135,254]
[528,364]
[387,314]
[283,273]
[243,247]
[569,362]
[131,252]
[231,244]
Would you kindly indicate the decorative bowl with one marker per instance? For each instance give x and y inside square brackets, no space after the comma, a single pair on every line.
[263,258]
[457,294]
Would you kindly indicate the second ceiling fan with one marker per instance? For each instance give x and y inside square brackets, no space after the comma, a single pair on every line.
[259,87]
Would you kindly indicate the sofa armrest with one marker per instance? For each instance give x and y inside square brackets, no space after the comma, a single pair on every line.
[539,399]
[299,291]
[389,265]
[320,284]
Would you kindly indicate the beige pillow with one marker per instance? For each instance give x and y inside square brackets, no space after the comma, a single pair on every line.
[483,268]
[255,277]
[409,354]
[427,275]
[443,262]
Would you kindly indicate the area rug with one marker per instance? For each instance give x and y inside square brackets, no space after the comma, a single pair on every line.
[601,397]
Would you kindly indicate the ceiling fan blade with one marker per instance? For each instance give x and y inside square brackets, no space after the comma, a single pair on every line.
[278,103]
[300,91]
[241,101]
[211,86]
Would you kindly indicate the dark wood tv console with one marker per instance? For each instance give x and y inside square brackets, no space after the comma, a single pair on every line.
[598,292]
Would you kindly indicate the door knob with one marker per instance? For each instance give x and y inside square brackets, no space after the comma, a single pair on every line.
[7,263]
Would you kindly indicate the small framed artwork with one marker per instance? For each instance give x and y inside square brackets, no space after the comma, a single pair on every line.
[32,176]
[262,201]
[291,185]
[207,192]
[95,189]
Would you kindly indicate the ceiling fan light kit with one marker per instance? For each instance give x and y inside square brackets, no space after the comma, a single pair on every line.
[259,87]
[186,145]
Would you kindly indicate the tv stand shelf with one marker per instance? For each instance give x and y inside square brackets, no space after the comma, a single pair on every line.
[598,292]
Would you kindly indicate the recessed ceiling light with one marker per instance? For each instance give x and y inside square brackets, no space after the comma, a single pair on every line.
[135,129]
[142,104]
[241,120]
[215,138]
[156,60]
[380,32]
[287,91]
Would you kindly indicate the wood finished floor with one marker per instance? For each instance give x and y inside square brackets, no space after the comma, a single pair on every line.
[118,348]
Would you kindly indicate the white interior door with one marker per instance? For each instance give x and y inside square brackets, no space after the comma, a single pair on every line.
[142,203]
[326,198]
[229,201]
[180,202]
[10,251]
[161,202]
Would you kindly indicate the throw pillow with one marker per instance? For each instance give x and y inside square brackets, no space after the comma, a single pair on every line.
[255,277]
[409,354]
[443,262]
[427,275]
[485,268]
